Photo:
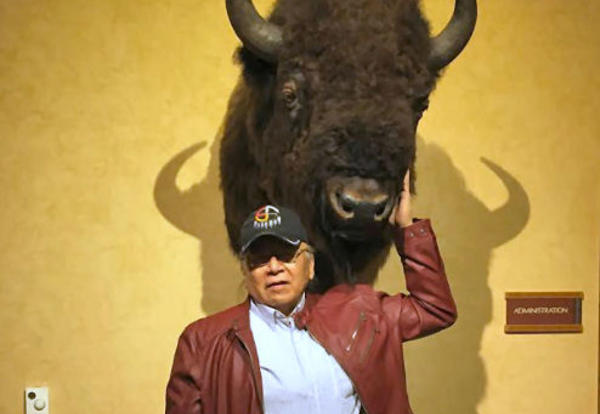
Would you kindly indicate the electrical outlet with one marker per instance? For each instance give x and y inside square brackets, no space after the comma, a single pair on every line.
[36,400]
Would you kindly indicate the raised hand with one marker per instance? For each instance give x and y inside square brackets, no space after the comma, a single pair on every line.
[401,214]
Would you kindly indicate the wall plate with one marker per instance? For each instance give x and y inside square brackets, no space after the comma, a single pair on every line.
[36,400]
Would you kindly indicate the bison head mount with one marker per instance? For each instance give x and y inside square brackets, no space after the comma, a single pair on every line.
[324,118]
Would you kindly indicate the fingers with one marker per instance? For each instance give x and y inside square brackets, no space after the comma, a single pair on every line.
[401,213]
[392,217]
[405,194]
[406,182]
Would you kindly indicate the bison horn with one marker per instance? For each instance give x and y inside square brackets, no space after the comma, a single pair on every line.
[258,35]
[450,42]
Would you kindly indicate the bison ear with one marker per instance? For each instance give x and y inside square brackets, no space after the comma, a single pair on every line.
[255,70]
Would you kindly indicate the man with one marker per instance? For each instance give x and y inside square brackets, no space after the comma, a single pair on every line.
[284,351]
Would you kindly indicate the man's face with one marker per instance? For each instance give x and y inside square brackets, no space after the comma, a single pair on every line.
[277,273]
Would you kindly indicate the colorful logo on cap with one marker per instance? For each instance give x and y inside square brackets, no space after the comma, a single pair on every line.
[267,217]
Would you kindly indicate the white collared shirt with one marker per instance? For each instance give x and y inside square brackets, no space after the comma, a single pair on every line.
[298,375]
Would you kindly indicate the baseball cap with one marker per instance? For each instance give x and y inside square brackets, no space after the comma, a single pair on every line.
[270,220]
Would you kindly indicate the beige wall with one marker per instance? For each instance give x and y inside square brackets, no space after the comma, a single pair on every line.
[97,97]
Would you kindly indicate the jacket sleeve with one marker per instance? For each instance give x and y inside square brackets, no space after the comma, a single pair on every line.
[183,389]
[429,306]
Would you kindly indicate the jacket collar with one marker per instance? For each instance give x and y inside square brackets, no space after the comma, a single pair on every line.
[302,317]
[272,316]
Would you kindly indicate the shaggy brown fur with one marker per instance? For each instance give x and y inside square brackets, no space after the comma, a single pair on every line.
[359,72]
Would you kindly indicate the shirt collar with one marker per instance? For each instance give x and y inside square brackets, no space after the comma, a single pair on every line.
[272,316]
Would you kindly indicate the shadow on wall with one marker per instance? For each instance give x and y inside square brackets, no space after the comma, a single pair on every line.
[198,211]
[453,378]
[445,372]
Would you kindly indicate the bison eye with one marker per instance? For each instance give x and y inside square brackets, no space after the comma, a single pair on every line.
[289,94]
[290,98]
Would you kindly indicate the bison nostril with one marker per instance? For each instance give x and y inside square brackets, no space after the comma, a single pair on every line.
[382,209]
[341,204]
[347,204]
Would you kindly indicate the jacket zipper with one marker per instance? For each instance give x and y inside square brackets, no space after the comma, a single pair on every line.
[343,369]
[365,351]
[361,319]
[252,364]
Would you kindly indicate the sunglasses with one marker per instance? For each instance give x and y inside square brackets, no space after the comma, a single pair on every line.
[259,254]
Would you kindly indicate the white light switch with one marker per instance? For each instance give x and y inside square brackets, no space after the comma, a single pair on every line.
[36,400]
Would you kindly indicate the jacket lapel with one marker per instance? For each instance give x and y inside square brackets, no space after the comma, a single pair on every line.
[241,328]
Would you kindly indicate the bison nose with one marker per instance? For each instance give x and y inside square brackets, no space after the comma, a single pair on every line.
[349,207]
[358,199]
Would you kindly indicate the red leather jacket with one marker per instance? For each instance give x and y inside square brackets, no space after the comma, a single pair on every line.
[216,368]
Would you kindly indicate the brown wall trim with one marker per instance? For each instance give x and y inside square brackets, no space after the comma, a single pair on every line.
[543,294]
[542,328]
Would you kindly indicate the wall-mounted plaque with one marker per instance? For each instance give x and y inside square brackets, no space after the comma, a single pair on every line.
[540,312]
